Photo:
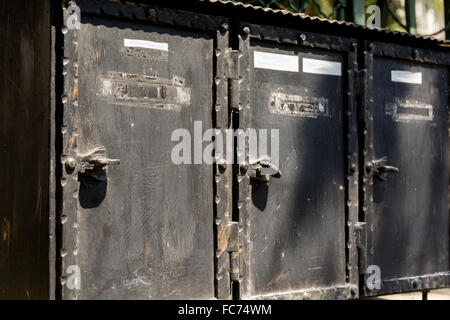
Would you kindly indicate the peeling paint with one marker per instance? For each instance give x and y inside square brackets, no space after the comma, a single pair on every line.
[409,110]
[296,105]
[145,91]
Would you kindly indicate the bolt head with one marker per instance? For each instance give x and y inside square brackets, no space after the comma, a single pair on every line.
[71,163]
[151,13]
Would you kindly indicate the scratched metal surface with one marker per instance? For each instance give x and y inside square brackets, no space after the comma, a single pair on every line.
[145,230]
[408,234]
[295,226]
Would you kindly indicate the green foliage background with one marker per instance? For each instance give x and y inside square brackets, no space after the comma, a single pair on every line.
[325,7]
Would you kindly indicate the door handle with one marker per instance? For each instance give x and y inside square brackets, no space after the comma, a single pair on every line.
[94,159]
[378,168]
[260,170]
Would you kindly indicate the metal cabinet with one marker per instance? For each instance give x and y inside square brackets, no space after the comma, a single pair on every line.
[356,199]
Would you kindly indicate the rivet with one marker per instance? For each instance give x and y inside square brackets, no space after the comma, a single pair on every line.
[151,13]
[224,27]
[302,37]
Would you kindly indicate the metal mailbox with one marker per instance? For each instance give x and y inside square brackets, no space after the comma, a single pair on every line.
[356,201]
[405,185]
[295,228]
[142,229]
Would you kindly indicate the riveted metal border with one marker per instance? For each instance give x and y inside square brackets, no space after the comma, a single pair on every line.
[295,37]
[139,12]
[330,293]
[367,156]
[348,47]
[410,53]
[352,175]
[226,230]
[69,183]
[243,181]
[398,285]
[408,284]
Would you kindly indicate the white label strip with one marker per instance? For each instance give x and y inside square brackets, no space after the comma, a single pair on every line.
[274,61]
[322,67]
[406,76]
[146,44]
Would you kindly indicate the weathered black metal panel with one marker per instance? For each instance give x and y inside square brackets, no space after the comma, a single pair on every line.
[407,211]
[147,228]
[295,226]
[142,229]
[24,140]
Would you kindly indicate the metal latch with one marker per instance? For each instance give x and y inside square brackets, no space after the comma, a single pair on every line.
[378,168]
[260,170]
[94,159]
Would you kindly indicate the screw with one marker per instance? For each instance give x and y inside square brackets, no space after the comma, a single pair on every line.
[371,48]
[246,30]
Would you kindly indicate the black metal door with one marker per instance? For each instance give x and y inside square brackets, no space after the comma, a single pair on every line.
[406,176]
[296,240]
[141,229]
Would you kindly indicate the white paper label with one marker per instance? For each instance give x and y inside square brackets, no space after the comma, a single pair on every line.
[274,61]
[406,77]
[146,44]
[322,67]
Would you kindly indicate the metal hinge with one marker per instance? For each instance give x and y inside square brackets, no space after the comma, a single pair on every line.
[227,257]
[233,72]
[361,243]
[227,106]
[233,249]
[232,61]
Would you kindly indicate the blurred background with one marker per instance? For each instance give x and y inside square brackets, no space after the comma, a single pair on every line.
[422,17]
